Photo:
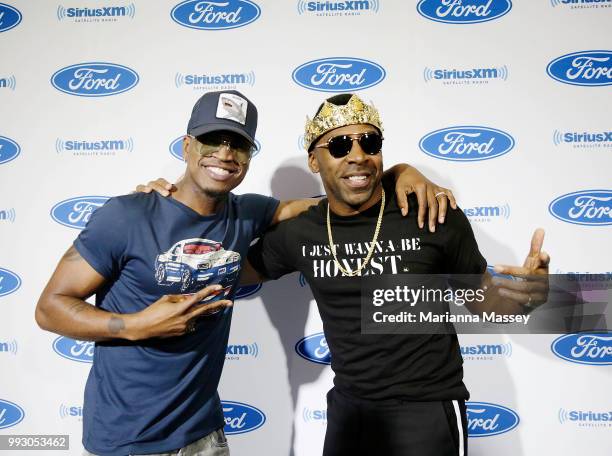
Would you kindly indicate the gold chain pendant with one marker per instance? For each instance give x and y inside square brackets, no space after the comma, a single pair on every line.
[348,272]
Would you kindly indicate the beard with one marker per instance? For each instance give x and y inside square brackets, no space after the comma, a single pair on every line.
[215,194]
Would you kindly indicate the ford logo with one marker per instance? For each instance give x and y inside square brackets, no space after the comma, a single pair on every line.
[586,207]
[314,348]
[215,15]
[486,419]
[463,11]
[75,350]
[247,290]
[75,212]
[585,68]
[9,149]
[9,282]
[10,17]
[338,74]
[466,143]
[585,348]
[176,148]
[241,418]
[10,414]
[94,79]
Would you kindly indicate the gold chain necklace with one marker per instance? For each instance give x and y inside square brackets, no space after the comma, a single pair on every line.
[332,246]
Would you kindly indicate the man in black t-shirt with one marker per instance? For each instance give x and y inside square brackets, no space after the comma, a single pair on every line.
[393,394]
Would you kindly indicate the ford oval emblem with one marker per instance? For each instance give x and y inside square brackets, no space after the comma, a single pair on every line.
[94,79]
[314,349]
[338,74]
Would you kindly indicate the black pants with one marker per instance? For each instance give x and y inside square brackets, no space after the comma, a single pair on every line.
[394,428]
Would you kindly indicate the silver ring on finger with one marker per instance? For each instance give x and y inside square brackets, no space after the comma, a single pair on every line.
[529,305]
[439,193]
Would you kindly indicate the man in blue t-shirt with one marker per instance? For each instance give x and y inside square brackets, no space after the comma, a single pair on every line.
[164,267]
[164,271]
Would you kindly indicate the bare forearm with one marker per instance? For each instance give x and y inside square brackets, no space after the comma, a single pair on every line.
[62,308]
[292,208]
[75,318]
[249,275]
[396,170]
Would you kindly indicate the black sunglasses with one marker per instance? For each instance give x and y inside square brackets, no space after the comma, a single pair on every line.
[341,145]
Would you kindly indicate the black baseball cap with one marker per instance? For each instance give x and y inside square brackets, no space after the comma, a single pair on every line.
[227,110]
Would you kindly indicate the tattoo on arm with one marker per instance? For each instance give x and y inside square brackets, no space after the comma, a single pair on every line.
[116,325]
[71,254]
[78,307]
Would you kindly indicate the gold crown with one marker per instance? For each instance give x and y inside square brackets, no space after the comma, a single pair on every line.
[331,116]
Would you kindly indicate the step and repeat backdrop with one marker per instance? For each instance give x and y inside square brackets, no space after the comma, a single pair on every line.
[509,103]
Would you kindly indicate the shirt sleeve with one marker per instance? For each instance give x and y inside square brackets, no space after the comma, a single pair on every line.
[272,255]
[461,249]
[104,240]
[260,209]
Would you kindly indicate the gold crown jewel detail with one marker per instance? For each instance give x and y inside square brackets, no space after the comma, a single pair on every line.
[331,116]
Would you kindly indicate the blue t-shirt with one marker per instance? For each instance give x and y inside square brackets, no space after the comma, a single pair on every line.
[161,394]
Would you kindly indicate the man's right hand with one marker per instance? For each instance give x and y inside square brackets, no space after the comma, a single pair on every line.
[62,308]
[160,185]
[172,315]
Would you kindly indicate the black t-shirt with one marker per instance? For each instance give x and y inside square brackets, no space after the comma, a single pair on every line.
[409,367]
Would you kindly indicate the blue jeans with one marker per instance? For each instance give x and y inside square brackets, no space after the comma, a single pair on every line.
[214,444]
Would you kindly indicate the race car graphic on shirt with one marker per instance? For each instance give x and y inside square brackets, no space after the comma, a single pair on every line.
[195,263]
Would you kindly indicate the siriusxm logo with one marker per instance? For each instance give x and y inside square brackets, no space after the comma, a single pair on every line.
[9,346]
[7,215]
[585,207]
[463,11]
[94,79]
[582,4]
[485,419]
[9,282]
[215,15]
[587,276]
[10,414]
[235,352]
[102,147]
[338,7]
[74,350]
[75,212]
[9,149]
[71,411]
[583,140]
[309,415]
[487,213]
[241,418]
[103,14]
[338,74]
[10,17]
[176,148]
[222,81]
[8,82]
[472,76]
[585,68]
[302,280]
[247,290]
[585,418]
[486,352]
[314,348]
[585,348]
[466,143]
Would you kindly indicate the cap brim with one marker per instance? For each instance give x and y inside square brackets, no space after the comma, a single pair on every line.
[203,129]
